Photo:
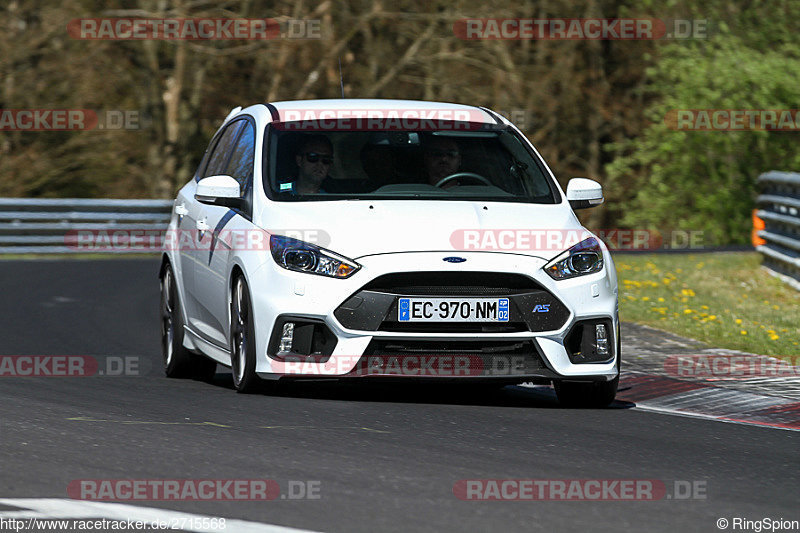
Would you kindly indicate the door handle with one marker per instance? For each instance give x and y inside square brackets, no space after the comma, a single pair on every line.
[202,227]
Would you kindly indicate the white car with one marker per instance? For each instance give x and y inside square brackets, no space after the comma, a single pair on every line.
[385,239]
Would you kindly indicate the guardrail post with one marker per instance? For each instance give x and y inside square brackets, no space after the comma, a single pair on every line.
[779,209]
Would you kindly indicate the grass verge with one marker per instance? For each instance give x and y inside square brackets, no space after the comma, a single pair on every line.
[726,300]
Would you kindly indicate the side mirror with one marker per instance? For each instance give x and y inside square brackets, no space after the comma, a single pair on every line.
[583,193]
[219,190]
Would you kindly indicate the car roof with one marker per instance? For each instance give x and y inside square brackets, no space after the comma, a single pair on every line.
[476,114]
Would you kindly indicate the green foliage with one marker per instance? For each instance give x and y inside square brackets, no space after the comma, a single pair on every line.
[706,180]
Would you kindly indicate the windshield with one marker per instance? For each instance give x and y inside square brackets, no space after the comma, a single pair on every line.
[486,162]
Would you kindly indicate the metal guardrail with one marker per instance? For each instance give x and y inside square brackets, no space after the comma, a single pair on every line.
[42,226]
[779,208]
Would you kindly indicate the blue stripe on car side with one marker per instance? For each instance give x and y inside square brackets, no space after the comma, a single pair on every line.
[220,225]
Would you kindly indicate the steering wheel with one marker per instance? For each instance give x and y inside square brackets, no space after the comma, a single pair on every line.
[471,175]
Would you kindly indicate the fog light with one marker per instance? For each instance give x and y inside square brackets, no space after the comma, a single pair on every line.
[590,341]
[601,339]
[287,336]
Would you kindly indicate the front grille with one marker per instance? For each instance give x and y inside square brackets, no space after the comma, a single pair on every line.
[450,359]
[452,284]
[374,307]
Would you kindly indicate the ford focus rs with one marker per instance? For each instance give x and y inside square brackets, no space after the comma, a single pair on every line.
[383,239]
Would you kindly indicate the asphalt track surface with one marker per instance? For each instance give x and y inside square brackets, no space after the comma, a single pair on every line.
[386,459]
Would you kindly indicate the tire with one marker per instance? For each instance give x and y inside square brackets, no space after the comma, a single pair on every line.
[593,395]
[243,340]
[178,361]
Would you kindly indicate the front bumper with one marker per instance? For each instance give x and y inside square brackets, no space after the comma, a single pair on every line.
[360,313]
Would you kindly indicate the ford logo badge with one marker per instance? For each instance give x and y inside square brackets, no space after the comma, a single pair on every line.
[454,259]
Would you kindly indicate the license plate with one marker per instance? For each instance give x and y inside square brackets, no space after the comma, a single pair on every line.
[452,310]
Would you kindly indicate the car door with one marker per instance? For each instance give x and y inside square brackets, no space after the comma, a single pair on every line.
[226,227]
[184,242]
[201,320]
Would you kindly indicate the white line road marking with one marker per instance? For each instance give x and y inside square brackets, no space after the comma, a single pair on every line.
[689,414]
[670,404]
[55,508]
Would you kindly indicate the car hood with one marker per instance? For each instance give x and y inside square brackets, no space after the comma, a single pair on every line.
[358,228]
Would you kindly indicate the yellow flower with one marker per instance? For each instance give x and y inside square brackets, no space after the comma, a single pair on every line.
[687,311]
[738,321]
[775,307]
[712,317]
[660,299]
[645,298]
[774,337]
[666,281]
[687,292]
[704,307]
[743,332]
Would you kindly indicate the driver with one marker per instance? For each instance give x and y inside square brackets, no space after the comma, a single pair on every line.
[314,159]
[442,159]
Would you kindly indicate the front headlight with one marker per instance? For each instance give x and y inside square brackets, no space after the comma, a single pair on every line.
[301,256]
[586,257]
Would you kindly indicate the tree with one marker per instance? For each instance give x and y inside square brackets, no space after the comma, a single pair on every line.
[705,180]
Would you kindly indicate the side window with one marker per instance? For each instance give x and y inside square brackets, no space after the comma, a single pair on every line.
[203,161]
[240,166]
[219,157]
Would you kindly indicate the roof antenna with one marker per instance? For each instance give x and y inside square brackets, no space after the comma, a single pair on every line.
[341,79]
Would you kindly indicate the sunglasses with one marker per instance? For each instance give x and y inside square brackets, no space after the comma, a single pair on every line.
[444,153]
[313,157]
